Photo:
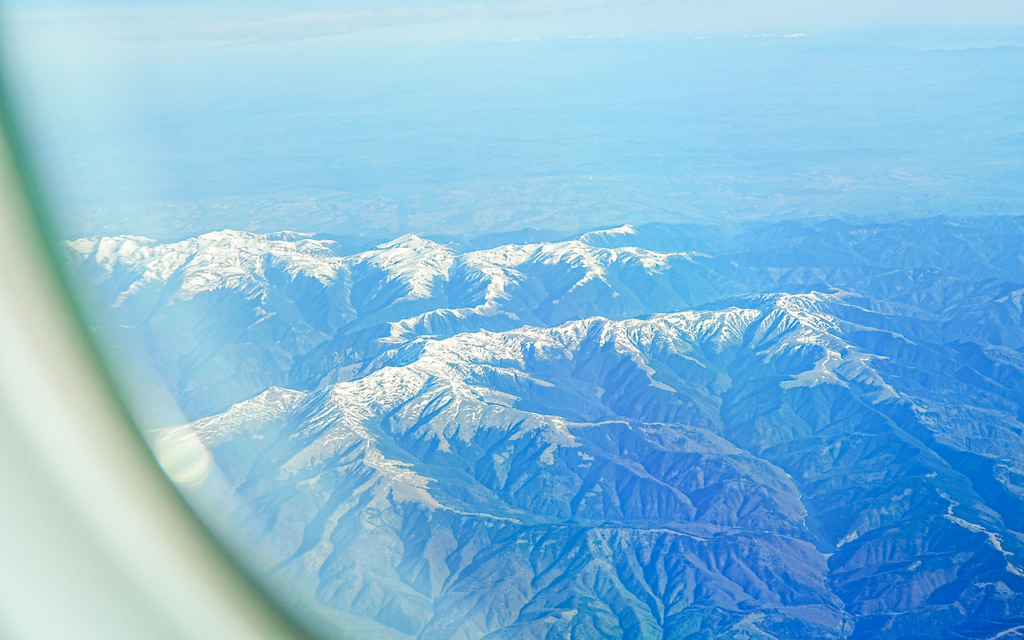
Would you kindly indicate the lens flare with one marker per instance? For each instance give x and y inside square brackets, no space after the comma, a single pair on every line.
[183,456]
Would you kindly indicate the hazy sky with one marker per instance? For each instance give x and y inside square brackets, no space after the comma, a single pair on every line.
[257,20]
[168,118]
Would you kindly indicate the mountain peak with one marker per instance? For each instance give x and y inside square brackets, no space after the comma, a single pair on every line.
[416,261]
[412,241]
[594,236]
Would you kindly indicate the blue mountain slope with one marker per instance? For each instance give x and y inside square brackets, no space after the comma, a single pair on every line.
[807,430]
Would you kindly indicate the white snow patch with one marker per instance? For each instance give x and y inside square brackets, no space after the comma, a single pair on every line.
[221,259]
[626,229]
[822,373]
[247,416]
[414,261]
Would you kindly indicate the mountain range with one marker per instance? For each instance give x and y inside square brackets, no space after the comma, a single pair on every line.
[799,430]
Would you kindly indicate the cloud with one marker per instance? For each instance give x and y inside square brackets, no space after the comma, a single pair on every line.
[312,25]
[302,26]
[533,8]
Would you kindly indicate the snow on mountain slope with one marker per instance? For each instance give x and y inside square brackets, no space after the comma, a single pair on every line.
[224,315]
[597,237]
[222,259]
[546,284]
[663,237]
[813,434]
[417,263]
[492,427]
[471,430]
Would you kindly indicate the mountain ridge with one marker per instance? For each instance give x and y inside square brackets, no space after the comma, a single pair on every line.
[815,433]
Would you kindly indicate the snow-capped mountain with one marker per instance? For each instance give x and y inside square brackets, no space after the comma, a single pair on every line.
[803,431]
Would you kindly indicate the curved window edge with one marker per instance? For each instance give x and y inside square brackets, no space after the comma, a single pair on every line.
[96,541]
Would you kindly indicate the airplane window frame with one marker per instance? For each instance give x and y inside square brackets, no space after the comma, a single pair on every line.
[97,541]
